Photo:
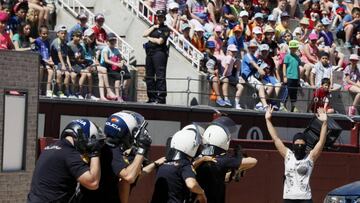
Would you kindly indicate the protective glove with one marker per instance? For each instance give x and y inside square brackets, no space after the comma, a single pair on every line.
[94,149]
[144,142]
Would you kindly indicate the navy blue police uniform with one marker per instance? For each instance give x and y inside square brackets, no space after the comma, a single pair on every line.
[156,61]
[211,176]
[112,162]
[56,173]
[170,184]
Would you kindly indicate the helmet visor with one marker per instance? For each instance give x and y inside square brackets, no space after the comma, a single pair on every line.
[228,125]
[138,117]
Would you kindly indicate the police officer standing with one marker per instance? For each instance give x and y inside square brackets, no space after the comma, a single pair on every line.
[176,176]
[212,173]
[156,59]
[60,166]
[121,129]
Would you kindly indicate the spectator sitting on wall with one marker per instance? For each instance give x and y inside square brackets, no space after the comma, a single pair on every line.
[42,45]
[80,66]
[252,73]
[352,82]
[320,97]
[59,54]
[21,39]
[81,25]
[89,45]
[115,65]
[5,41]
[229,63]
[99,31]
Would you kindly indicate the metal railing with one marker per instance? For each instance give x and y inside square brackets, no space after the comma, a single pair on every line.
[75,7]
[339,100]
[185,47]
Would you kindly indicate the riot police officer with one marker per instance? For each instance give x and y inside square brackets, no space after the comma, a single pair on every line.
[61,166]
[121,129]
[156,59]
[211,174]
[177,175]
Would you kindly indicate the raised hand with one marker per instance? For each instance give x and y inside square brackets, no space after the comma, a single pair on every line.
[144,142]
[321,114]
[268,113]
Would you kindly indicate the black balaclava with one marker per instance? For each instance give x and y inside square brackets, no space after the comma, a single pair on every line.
[299,149]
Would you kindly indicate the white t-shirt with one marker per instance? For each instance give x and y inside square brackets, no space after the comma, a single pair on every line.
[297,177]
[321,72]
[230,61]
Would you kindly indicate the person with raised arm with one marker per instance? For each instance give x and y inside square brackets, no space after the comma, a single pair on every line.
[298,163]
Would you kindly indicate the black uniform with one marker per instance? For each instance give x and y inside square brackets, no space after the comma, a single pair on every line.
[170,184]
[56,173]
[156,60]
[211,176]
[112,162]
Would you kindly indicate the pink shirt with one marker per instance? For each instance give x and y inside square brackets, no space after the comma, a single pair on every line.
[5,41]
[218,45]
[230,61]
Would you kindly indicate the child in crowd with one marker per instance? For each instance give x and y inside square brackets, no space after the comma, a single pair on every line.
[59,54]
[93,65]
[320,97]
[291,71]
[21,39]
[20,10]
[79,64]
[99,31]
[322,69]
[5,41]
[229,63]
[42,45]
[112,60]
[81,25]
[352,82]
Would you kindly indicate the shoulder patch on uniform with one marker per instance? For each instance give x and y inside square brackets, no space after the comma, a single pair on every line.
[166,33]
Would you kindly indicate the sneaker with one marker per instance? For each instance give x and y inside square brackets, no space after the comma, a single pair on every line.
[227,102]
[80,96]
[258,106]
[50,93]
[220,102]
[61,95]
[347,45]
[71,96]
[265,108]
[352,111]
[283,108]
[92,97]
[237,106]
[276,108]
[295,110]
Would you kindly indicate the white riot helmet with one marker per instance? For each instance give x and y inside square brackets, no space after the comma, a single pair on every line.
[184,141]
[197,127]
[218,135]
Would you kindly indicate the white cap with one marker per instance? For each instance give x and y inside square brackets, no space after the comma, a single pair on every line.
[264,47]
[232,47]
[61,28]
[243,13]
[173,5]
[199,28]
[257,30]
[354,57]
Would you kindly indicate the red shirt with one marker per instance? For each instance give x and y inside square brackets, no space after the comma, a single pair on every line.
[319,99]
[100,34]
[5,41]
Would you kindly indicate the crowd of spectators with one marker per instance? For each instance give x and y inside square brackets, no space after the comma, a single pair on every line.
[276,47]
[72,58]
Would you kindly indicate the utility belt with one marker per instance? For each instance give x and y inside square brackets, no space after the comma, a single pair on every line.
[151,49]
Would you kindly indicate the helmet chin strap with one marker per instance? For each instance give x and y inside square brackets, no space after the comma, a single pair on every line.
[175,155]
[211,150]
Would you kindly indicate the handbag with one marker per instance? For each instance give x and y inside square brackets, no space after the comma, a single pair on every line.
[115,59]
